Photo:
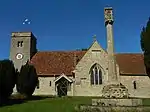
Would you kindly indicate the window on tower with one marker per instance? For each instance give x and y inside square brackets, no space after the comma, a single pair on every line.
[20,44]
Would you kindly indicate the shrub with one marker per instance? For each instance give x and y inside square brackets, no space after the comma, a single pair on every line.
[27,80]
[7,78]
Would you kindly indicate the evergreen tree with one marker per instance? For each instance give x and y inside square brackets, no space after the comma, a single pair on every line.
[27,80]
[7,78]
[145,46]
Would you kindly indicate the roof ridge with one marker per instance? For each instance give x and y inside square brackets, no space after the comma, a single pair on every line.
[62,51]
[85,51]
[128,53]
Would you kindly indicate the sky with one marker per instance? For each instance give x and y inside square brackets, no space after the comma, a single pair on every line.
[71,24]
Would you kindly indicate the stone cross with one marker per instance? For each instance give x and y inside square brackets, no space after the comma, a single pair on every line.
[94,38]
[113,89]
[112,75]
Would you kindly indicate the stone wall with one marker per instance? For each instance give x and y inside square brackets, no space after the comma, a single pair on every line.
[44,86]
[82,75]
[95,54]
[25,51]
[117,102]
[85,108]
[46,89]
[142,84]
[86,89]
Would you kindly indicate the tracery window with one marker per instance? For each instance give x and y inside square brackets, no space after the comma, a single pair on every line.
[96,75]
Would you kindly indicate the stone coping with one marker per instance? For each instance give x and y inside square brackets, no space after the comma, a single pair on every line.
[117,102]
[91,108]
[21,34]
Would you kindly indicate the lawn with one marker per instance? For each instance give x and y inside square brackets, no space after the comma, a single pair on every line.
[65,104]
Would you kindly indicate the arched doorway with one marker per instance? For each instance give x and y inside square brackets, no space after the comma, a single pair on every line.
[62,83]
[62,86]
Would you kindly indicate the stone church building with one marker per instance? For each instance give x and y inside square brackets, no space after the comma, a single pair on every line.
[80,73]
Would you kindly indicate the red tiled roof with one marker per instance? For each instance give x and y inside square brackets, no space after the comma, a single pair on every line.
[131,64]
[58,62]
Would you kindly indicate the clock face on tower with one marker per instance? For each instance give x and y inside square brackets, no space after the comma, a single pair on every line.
[19,56]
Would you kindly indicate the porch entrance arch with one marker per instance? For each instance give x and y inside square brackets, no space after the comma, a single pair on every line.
[62,84]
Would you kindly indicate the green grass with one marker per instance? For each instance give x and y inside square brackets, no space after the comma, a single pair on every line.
[65,104]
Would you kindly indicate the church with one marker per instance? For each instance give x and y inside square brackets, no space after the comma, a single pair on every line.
[81,72]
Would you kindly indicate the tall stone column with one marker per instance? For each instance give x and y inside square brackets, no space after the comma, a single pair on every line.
[113,89]
[112,75]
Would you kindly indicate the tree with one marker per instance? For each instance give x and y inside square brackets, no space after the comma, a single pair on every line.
[145,46]
[27,80]
[7,78]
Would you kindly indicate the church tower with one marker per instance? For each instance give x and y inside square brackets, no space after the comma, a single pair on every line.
[23,47]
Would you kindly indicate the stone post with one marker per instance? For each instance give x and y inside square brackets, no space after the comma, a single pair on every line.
[112,75]
[113,89]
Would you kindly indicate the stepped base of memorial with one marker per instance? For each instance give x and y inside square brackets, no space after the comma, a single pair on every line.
[114,105]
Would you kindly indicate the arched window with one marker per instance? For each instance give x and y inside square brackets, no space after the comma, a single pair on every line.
[96,75]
